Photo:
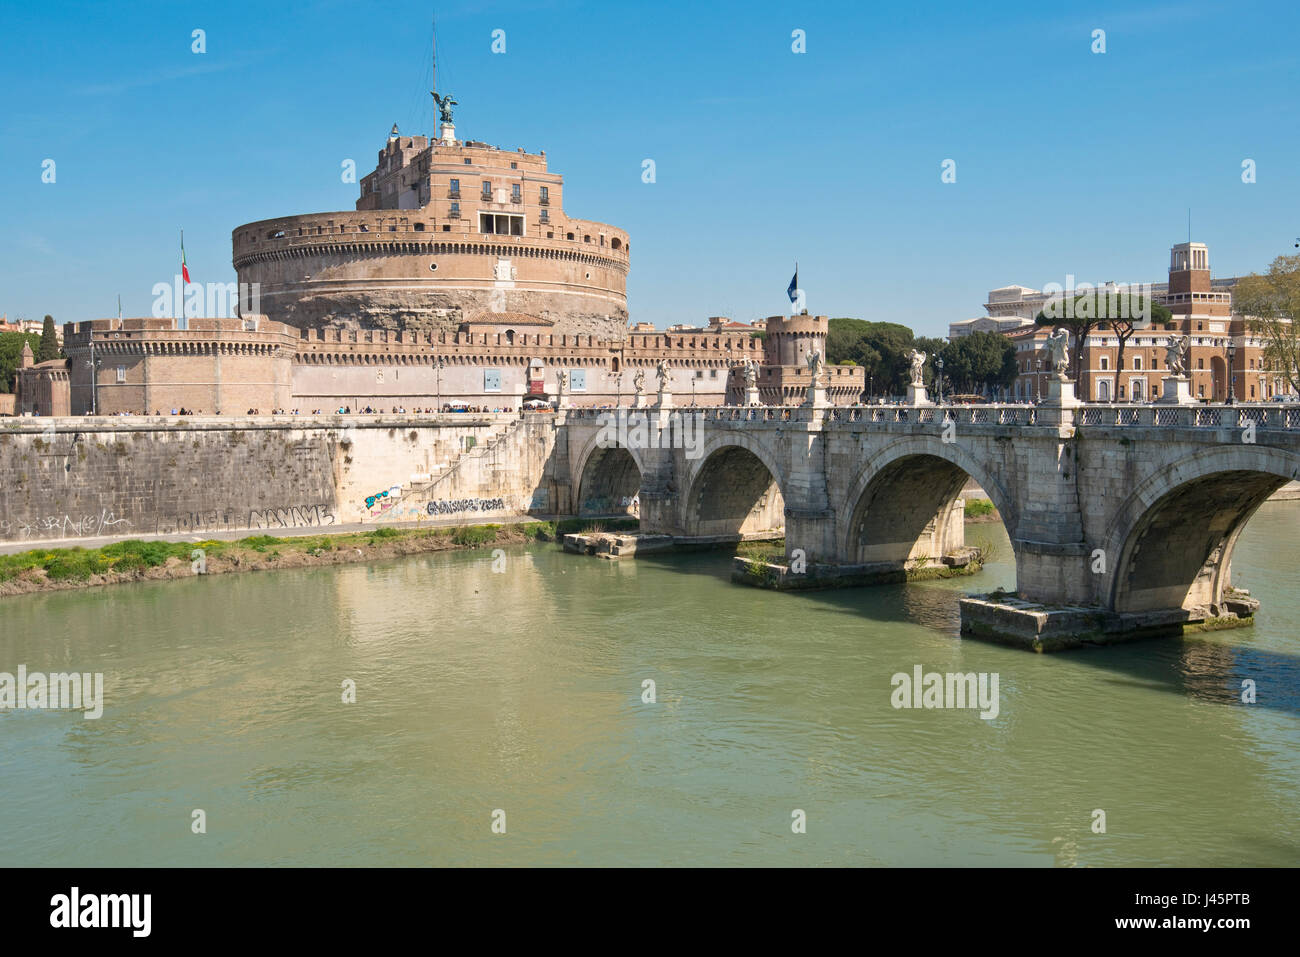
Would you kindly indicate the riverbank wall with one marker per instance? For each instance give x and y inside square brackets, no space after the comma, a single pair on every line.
[63,479]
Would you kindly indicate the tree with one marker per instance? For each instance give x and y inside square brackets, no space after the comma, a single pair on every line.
[49,348]
[881,348]
[1077,318]
[1122,316]
[1271,305]
[11,354]
[980,362]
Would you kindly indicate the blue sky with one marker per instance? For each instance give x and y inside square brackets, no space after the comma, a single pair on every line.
[1067,161]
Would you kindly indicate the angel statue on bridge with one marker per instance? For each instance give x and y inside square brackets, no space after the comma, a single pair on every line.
[1176,350]
[638,382]
[664,374]
[917,359]
[1058,351]
[815,363]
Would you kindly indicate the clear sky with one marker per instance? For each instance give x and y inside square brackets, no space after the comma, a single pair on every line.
[1067,161]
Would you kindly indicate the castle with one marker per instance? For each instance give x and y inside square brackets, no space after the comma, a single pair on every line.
[444,233]
[457,281]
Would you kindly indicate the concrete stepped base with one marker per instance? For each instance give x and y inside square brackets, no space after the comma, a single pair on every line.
[1008,620]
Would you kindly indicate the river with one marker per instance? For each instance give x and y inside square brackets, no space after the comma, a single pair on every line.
[521,691]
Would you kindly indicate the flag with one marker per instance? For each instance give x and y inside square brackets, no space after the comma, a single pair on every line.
[793,290]
[185,270]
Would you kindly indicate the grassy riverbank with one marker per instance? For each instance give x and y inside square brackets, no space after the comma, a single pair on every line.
[134,560]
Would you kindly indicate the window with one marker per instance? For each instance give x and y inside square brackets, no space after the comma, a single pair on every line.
[487,188]
[515,195]
[1137,363]
[455,211]
[713,373]
[466,160]
[455,187]
[1200,364]
[699,373]
[121,373]
[514,166]
[503,224]
[545,217]
[1105,363]
[491,380]
[544,195]
[578,380]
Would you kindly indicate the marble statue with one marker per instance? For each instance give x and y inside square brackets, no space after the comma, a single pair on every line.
[918,367]
[1058,351]
[1176,354]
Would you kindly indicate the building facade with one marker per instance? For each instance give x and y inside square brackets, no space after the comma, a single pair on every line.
[1226,355]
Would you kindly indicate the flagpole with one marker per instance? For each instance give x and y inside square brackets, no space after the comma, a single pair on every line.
[180,314]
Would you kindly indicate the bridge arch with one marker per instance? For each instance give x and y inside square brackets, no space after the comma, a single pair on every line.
[735,487]
[1172,539]
[902,503]
[606,477]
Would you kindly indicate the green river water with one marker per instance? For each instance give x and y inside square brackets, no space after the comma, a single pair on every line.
[522,691]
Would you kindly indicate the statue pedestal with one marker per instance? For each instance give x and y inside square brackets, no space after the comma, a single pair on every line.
[816,396]
[751,397]
[448,133]
[1060,393]
[665,400]
[916,396]
[638,401]
[1178,391]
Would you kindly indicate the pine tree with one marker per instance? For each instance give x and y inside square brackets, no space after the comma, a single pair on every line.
[49,342]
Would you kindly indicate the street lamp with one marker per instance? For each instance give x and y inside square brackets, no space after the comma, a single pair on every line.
[939,365]
[437,402]
[1232,375]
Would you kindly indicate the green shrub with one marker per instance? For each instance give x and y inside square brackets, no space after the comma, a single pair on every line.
[75,563]
[475,535]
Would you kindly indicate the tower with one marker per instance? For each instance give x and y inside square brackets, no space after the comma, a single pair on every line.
[1189,268]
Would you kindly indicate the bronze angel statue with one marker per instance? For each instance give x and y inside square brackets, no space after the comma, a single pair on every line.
[445,103]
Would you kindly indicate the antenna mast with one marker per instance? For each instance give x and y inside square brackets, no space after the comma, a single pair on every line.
[433,73]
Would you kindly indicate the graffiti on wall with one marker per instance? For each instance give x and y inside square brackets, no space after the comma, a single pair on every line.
[607,505]
[295,516]
[63,526]
[454,506]
[381,502]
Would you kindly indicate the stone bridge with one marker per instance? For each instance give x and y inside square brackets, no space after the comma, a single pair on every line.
[1122,519]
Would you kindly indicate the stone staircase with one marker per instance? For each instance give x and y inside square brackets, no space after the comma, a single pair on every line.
[424,484]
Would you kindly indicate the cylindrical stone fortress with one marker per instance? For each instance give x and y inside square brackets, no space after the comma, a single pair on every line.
[443,234]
